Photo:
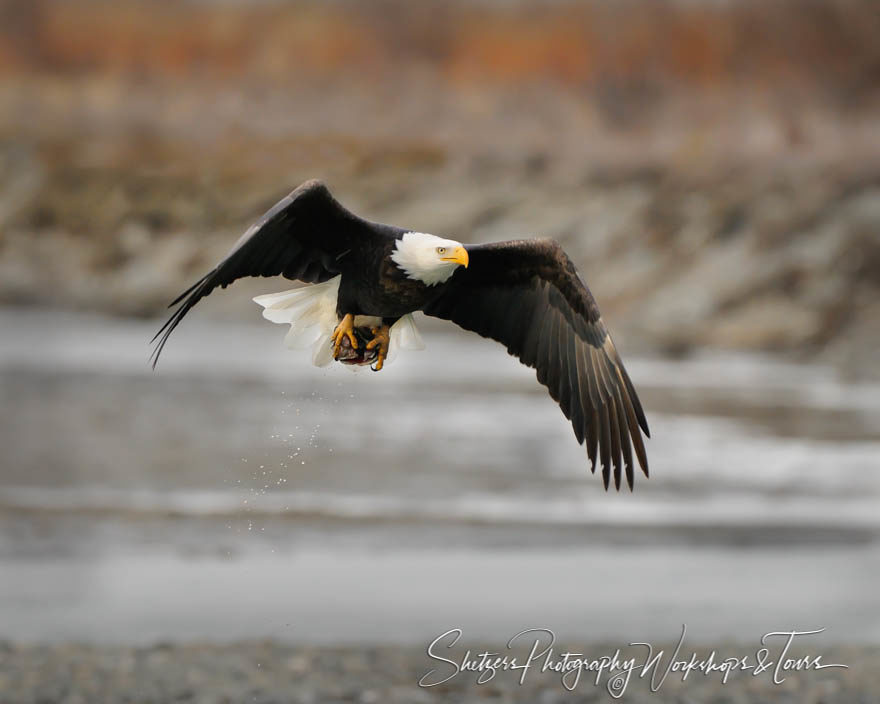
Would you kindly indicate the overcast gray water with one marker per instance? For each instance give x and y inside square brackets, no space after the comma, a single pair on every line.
[241,492]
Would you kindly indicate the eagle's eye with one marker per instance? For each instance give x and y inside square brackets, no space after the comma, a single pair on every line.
[441,250]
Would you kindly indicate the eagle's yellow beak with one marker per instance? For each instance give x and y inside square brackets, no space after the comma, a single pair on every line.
[459,256]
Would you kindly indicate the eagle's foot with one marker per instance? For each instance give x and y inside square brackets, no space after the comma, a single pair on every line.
[343,330]
[381,339]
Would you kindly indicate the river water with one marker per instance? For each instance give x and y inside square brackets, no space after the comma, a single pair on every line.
[239,492]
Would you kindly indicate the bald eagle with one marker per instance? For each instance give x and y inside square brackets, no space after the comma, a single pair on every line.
[369,278]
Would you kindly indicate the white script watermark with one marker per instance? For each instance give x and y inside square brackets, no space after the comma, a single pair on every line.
[773,659]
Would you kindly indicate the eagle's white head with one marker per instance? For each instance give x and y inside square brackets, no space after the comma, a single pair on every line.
[427,258]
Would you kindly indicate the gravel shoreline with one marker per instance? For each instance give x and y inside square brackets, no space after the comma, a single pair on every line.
[268,672]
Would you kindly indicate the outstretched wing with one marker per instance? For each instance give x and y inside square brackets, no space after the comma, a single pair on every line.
[528,296]
[305,236]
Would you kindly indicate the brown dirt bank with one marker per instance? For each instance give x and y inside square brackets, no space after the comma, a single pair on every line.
[783,258]
[713,168]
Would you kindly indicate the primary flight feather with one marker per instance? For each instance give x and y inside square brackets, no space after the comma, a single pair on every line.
[526,294]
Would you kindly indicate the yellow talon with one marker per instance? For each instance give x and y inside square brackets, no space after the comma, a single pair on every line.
[343,330]
[381,339]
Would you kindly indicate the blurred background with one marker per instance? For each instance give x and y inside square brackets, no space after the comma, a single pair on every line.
[713,168]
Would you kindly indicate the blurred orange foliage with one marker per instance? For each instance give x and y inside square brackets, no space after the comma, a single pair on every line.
[573,43]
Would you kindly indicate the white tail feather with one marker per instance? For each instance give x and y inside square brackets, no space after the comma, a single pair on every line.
[404,336]
[311,313]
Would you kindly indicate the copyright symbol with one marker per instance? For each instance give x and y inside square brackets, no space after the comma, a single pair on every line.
[616,684]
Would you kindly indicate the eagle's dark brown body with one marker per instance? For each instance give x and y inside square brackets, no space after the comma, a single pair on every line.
[379,287]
